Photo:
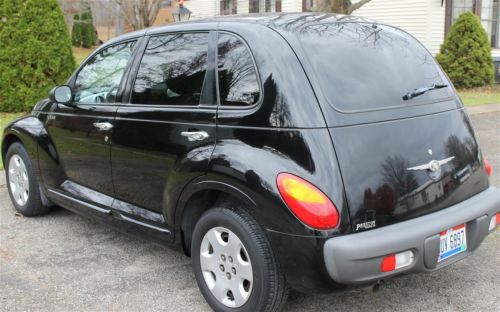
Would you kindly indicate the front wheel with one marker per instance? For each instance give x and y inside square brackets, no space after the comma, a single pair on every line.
[233,263]
[22,182]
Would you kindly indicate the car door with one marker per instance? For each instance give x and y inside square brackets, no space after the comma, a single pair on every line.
[81,131]
[165,134]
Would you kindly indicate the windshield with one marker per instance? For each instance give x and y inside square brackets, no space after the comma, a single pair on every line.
[363,66]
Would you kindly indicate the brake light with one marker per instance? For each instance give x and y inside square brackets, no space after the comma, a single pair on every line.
[489,169]
[397,261]
[307,202]
[495,221]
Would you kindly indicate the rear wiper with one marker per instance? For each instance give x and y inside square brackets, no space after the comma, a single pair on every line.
[417,92]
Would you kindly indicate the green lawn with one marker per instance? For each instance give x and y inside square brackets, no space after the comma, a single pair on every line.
[81,53]
[5,118]
[479,96]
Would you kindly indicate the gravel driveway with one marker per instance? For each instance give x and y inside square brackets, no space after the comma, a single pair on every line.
[63,262]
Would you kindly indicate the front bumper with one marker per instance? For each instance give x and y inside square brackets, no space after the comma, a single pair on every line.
[356,258]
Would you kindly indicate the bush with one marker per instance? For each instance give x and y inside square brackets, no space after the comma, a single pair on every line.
[36,52]
[76,33]
[466,53]
[88,32]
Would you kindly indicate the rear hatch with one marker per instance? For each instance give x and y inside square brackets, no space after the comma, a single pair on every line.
[404,143]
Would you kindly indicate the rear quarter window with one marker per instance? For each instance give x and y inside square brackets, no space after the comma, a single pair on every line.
[364,67]
[237,76]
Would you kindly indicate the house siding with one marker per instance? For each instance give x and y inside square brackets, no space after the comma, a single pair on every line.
[424,19]
[209,8]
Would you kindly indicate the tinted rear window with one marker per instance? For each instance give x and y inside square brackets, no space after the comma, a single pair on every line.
[361,66]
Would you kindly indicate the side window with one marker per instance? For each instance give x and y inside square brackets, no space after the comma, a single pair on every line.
[172,70]
[238,84]
[98,80]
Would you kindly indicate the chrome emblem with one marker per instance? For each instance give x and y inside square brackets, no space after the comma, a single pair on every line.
[433,165]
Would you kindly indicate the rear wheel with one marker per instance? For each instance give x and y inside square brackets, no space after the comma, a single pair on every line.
[22,182]
[233,263]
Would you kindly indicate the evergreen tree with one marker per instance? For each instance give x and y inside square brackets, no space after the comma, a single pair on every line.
[466,53]
[76,33]
[88,31]
[35,52]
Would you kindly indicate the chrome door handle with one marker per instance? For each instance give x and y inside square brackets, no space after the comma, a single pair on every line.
[103,126]
[195,135]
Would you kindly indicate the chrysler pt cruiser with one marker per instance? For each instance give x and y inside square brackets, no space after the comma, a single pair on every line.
[304,151]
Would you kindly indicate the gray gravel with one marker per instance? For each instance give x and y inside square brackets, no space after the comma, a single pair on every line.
[63,262]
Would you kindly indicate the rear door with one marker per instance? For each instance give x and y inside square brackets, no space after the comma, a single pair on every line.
[165,134]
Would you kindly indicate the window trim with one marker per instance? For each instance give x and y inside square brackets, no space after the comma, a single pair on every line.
[259,81]
[135,70]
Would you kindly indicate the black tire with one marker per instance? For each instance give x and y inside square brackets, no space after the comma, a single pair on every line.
[33,206]
[270,291]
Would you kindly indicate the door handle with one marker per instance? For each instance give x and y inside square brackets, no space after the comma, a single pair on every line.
[103,126]
[195,135]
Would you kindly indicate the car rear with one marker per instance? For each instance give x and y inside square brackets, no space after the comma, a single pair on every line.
[414,177]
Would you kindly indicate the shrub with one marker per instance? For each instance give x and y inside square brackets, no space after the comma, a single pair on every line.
[35,53]
[88,32]
[76,33]
[466,53]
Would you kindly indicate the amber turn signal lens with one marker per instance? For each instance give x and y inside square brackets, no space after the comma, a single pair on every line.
[307,202]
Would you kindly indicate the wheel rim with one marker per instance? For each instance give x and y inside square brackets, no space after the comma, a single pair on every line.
[226,267]
[18,180]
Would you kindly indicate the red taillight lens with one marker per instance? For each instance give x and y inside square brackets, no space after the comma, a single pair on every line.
[497,217]
[489,169]
[389,263]
[307,202]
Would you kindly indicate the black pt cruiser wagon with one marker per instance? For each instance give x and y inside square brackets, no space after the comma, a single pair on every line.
[316,152]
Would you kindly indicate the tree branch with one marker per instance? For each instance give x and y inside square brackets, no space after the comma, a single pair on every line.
[356,6]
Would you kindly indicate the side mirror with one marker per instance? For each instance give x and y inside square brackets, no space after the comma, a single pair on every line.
[61,95]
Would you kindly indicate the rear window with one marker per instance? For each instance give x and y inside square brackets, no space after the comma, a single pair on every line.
[362,67]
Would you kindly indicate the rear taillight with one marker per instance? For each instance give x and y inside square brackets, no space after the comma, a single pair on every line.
[495,221]
[489,169]
[307,202]
[397,261]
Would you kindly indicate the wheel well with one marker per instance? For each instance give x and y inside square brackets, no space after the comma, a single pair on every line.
[197,204]
[7,142]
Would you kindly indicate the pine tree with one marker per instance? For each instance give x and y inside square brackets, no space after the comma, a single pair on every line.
[76,33]
[466,53]
[35,52]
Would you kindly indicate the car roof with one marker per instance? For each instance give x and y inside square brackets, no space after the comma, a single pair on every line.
[289,22]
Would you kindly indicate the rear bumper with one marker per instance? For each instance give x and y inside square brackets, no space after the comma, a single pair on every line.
[356,258]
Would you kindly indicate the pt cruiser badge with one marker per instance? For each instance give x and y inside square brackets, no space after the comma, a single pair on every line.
[433,165]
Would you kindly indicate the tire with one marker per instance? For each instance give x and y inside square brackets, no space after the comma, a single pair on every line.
[234,226]
[26,199]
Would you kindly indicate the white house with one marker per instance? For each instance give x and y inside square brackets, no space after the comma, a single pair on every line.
[428,20]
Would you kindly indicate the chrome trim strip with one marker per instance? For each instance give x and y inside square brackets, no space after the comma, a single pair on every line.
[93,207]
[131,220]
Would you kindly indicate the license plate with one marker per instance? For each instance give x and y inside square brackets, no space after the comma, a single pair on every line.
[452,242]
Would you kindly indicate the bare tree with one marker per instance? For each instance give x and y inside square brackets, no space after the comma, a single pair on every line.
[140,13]
[339,6]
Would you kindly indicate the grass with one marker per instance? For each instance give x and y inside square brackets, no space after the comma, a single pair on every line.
[479,96]
[5,118]
[81,53]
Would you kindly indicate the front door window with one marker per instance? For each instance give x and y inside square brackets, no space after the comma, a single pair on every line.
[98,81]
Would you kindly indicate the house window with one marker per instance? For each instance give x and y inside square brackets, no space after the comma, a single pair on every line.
[462,6]
[307,5]
[264,6]
[228,7]
[487,10]
[490,18]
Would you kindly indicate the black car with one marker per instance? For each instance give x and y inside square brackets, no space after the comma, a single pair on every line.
[316,152]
